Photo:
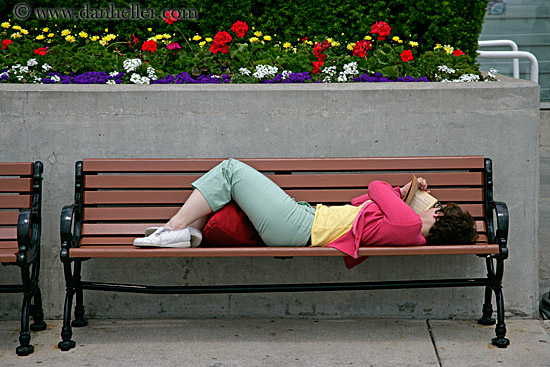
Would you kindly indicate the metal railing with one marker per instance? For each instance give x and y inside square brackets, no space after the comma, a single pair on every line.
[515,55]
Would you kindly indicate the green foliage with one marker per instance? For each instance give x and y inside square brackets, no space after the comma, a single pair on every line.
[428,22]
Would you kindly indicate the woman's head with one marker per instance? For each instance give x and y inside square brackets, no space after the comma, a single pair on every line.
[450,226]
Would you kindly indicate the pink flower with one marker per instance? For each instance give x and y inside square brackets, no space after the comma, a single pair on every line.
[173,46]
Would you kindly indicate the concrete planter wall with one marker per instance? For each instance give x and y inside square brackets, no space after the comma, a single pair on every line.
[61,124]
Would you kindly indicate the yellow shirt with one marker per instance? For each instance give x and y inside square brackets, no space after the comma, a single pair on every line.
[332,222]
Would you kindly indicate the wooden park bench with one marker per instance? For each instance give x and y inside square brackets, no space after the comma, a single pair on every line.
[116,199]
[20,226]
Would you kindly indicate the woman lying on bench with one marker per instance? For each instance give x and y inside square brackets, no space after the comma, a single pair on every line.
[378,218]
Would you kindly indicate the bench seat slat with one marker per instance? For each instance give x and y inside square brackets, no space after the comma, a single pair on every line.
[9,218]
[285,164]
[16,169]
[15,184]
[11,245]
[8,255]
[312,196]
[285,181]
[15,201]
[130,251]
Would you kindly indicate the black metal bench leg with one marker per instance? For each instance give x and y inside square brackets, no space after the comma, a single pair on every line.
[66,331]
[500,329]
[25,348]
[80,320]
[487,312]
[37,311]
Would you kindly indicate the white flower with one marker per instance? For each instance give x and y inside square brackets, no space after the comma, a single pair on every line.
[16,66]
[351,69]
[113,73]
[46,67]
[342,78]
[32,62]
[137,79]
[446,69]
[24,69]
[151,73]
[263,71]
[19,77]
[55,78]
[4,74]
[131,64]
[245,71]
[37,80]
[111,81]
[465,78]
[285,74]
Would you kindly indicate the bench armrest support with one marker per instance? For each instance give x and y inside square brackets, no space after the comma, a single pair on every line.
[28,236]
[500,235]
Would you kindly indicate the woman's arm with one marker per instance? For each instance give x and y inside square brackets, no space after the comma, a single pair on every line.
[390,202]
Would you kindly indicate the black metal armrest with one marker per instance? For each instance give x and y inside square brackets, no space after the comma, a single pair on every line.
[28,235]
[501,233]
[70,226]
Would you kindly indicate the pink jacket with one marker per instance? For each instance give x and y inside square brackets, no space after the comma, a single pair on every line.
[386,221]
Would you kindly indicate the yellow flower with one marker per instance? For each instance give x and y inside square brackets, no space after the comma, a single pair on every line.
[335,44]
[208,39]
[267,38]
[350,46]
[258,34]
[6,25]
[448,49]
[400,41]
[253,39]
[50,35]
[16,27]
[309,43]
[65,32]
[106,30]
[413,44]
[287,45]
[83,34]
[197,38]
[150,29]
[70,38]
[294,50]
[368,38]
[94,38]
[395,38]
[437,45]
[330,40]
[16,35]
[202,43]
[253,28]
[45,30]
[166,35]
[40,37]
[343,34]
[24,31]
[109,37]
[158,37]
[102,42]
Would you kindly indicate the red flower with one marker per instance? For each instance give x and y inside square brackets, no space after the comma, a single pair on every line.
[361,47]
[41,51]
[222,37]
[317,66]
[219,47]
[382,29]
[149,45]
[6,43]
[319,48]
[134,41]
[240,28]
[407,56]
[171,16]
[458,53]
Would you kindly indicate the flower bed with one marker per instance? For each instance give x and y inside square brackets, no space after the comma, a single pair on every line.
[240,55]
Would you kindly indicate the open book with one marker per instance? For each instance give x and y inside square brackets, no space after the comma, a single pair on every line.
[418,199]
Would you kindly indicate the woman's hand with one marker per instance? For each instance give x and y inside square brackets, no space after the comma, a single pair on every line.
[422,185]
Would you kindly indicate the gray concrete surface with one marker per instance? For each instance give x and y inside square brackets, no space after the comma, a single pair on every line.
[61,124]
[544,202]
[283,342]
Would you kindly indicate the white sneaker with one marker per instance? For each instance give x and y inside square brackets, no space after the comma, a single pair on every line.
[196,235]
[165,237]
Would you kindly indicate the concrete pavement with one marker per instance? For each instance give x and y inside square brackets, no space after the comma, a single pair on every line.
[283,342]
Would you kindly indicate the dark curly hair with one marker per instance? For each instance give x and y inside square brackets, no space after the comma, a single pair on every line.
[454,227]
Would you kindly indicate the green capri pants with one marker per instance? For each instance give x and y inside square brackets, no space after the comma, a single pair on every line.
[278,218]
